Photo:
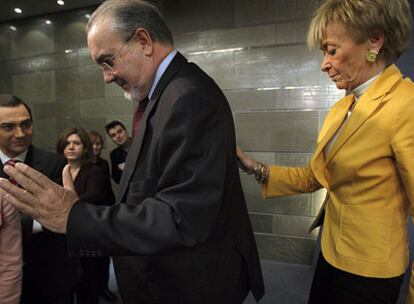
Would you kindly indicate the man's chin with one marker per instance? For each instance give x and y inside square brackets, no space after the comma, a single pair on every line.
[128,95]
[133,95]
[19,149]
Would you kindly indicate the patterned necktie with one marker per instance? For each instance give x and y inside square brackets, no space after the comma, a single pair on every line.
[139,113]
[11,162]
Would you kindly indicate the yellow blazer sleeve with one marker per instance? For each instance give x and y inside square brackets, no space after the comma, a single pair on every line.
[289,180]
[402,143]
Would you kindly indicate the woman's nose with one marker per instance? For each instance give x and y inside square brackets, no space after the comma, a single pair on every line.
[324,64]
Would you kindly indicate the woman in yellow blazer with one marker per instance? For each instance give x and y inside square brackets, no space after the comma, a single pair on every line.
[364,156]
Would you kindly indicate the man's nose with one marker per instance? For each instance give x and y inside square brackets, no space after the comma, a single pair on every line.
[19,132]
[108,76]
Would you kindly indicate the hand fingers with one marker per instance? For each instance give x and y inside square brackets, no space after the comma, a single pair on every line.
[9,196]
[67,179]
[28,178]
[34,175]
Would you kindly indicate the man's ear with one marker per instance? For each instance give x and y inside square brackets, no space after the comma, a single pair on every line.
[144,40]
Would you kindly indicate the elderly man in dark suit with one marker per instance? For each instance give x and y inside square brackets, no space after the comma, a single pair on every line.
[48,273]
[180,230]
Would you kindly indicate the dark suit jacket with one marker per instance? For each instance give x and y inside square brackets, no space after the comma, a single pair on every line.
[182,221]
[118,156]
[92,184]
[48,272]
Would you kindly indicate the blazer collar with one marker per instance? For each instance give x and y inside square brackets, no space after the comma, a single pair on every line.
[133,154]
[384,83]
[333,121]
[369,103]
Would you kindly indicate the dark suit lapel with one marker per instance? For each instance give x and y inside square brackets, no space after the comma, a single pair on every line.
[1,171]
[29,157]
[133,153]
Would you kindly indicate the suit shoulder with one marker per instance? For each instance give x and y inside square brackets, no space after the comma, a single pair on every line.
[52,157]
[192,82]
[192,75]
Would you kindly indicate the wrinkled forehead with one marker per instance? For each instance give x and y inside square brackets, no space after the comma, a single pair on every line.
[102,39]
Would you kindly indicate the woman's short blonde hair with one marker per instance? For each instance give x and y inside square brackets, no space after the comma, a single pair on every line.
[365,18]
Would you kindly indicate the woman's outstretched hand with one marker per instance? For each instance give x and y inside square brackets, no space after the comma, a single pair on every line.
[246,163]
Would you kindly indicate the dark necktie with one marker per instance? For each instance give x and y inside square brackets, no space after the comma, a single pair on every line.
[139,113]
[11,162]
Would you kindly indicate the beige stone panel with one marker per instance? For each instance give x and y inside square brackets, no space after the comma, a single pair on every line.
[299,98]
[45,133]
[33,38]
[262,222]
[293,225]
[106,107]
[277,131]
[285,249]
[250,12]
[37,87]
[188,15]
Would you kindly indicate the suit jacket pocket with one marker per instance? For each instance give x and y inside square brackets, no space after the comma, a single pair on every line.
[140,190]
[365,234]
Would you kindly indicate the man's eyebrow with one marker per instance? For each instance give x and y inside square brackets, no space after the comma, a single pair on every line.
[16,122]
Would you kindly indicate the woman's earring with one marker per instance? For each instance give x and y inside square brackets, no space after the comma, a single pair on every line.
[372,56]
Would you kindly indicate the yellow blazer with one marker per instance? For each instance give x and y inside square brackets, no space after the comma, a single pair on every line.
[369,177]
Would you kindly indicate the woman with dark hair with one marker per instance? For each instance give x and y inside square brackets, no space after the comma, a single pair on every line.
[82,175]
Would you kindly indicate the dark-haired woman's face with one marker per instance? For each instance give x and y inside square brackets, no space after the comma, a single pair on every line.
[74,148]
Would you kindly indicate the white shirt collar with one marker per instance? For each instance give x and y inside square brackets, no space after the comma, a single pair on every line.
[4,158]
[360,90]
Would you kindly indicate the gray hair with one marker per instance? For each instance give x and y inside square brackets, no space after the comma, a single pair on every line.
[128,15]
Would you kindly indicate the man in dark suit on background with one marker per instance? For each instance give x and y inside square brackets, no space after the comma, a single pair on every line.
[48,272]
[119,135]
[180,231]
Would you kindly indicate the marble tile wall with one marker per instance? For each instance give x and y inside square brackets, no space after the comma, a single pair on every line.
[254,49]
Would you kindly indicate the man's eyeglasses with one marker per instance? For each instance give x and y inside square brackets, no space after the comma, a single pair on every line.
[108,64]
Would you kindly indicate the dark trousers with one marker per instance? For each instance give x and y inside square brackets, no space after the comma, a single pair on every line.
[93,280]
[331,285]
[49,275]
